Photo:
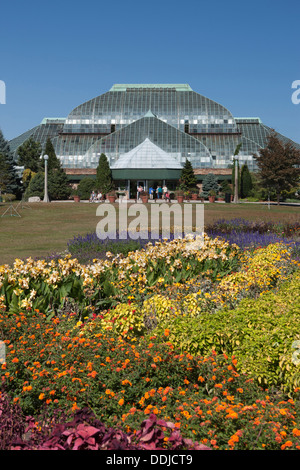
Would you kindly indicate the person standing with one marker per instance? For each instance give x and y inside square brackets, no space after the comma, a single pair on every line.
[140,189]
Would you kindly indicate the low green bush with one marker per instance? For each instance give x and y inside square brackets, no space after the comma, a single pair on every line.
[262,333]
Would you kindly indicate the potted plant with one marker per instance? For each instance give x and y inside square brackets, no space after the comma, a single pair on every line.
[76,195]
[195,193]
[111,196]
[187,194]
[144,196]
[212,195]
[179,195]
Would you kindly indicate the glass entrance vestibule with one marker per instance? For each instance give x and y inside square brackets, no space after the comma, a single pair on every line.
[129,180]
[131,186]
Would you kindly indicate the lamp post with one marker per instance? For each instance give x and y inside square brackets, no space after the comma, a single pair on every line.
[46,197]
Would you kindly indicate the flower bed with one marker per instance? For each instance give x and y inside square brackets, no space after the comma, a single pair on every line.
[188,342]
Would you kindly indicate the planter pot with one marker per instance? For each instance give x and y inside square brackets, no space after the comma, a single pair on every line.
[111,199]
[180,199]
[144,199]
[211,198]
[194,197]
[76,198]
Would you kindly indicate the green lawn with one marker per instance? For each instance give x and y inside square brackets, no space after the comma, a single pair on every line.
[46,228]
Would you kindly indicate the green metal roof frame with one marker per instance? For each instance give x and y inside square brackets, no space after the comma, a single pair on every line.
[176,86]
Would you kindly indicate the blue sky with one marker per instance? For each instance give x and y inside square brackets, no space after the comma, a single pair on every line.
[56,55]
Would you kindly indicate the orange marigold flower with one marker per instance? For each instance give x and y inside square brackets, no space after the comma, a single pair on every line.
[286,444]
[41,396]
[121,402]
[296,432]
[15,359]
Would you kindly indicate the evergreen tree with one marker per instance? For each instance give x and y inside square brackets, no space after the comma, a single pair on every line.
[29,155]
[58,186]
[246,181]
[4,174]
[210,183]
[53,161]
[188,180]
[58,183]
[13,184]
[36,186]
[104,175]
[278,165]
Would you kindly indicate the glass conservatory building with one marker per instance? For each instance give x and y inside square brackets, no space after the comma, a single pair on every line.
[147,132]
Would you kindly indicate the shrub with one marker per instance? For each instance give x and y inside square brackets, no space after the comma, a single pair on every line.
[259,332]
[8,197]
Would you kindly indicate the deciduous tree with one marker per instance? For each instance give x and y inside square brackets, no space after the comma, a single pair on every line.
[278,165]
